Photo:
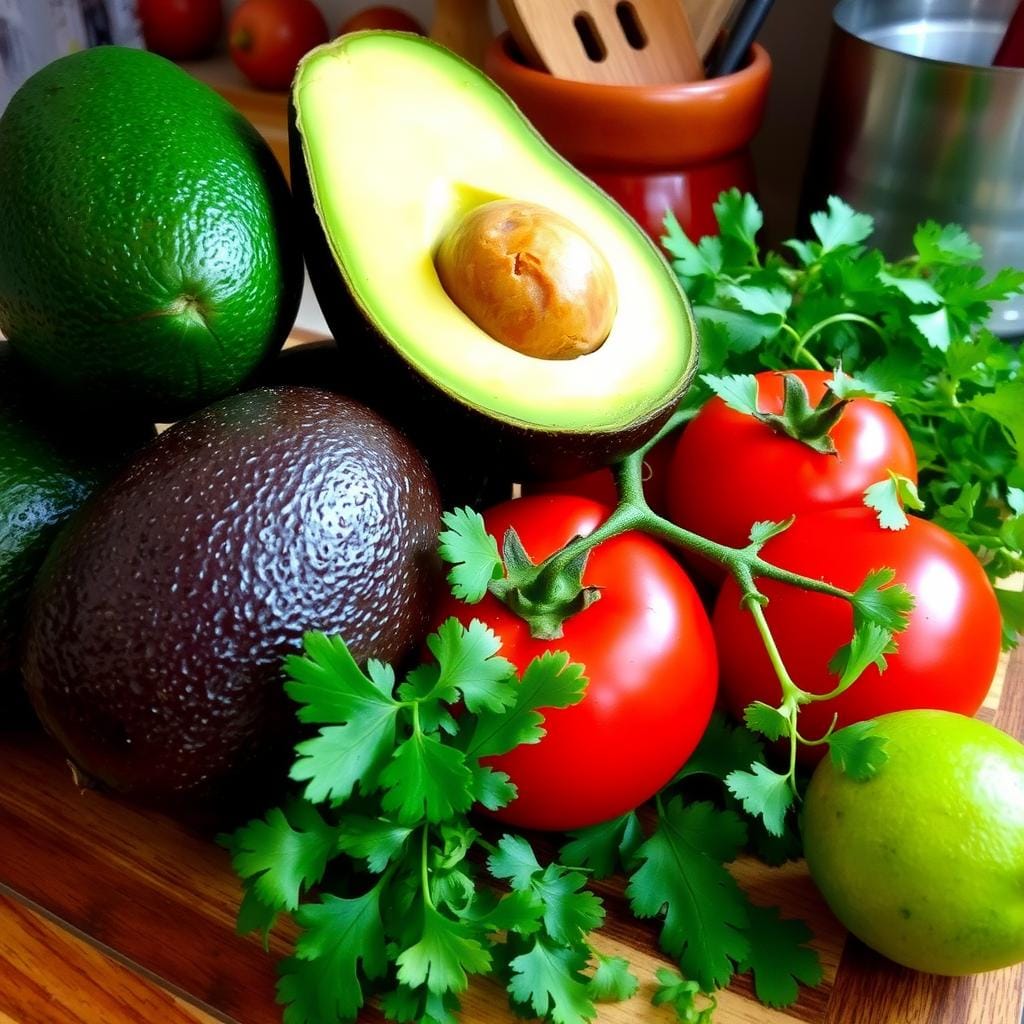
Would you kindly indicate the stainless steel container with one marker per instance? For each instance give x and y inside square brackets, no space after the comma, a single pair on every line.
[913,124]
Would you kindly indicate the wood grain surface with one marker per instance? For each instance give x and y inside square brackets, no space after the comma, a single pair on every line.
[112,914]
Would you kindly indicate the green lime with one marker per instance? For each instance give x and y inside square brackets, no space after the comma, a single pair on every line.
[146,252]
[925,861]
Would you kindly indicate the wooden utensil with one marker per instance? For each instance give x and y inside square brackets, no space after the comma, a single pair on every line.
[464,26]
[707,18]
[644,42]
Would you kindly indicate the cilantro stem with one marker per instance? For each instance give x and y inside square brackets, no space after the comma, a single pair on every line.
[792,695]
[424,872]
[800,352]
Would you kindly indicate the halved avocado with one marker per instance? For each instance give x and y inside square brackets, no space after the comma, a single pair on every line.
[394,141]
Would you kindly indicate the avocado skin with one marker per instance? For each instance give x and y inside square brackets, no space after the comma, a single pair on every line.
[51,460]
[446,429]
[160,618]
[322,364]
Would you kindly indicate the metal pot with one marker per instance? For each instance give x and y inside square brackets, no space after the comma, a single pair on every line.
[913,124]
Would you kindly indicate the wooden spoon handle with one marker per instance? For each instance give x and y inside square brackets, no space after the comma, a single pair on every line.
[464,26]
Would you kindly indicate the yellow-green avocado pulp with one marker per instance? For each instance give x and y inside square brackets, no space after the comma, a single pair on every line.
[400,138]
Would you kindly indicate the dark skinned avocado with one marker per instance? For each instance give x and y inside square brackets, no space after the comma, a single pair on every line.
[160,618]
[50,462]
[323,364]
[396,146]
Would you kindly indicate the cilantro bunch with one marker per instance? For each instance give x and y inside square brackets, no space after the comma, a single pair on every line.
[393,889]
[914,327]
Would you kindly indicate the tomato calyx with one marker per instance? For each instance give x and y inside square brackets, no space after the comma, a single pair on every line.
[799,419]
[544,595]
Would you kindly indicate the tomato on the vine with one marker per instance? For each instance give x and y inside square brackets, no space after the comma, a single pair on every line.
[648,654]
[268,38]
[180,29]
[946,657]
[730,470]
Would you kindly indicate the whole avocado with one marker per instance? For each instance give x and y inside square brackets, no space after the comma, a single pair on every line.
[159,621]
[50,462]
[147,256]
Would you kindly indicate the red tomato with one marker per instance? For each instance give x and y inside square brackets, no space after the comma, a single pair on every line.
[268,38]
[649,656]
[180,29]
[600,484]
[947,655]
[730,470]
[393,19]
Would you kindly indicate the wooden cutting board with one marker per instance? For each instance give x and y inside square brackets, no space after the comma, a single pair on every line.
[110,914]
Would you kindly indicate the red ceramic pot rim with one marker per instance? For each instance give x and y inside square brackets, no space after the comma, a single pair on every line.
[649,127]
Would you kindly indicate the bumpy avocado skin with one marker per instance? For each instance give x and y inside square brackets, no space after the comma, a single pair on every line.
[449,431]
[159,620]
[51,459]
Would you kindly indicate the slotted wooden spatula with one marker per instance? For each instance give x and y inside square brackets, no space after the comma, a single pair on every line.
[643,42]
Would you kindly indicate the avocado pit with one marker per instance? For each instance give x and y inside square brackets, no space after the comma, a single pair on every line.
[530,279]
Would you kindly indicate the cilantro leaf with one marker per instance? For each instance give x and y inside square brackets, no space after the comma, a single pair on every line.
[937,244]
[519,911]
[869,646]
[738,391]
[473,553]
[739,221]
[320,983]
[762,531]
[603,848]
[889,497]
[858,750]
[877,600]
[842,385]
[514,861]
[935,327]
[426,778]
[701,260]
[1011,604]
[840,226]
[378,841]
[550,681]
[444,953]
[492,789]
[411,1006]
[768,721]
[569,910]
[1006,406]
[613,981]
[683,996]
[548,978]
[724,748]
[681,873]
[779,956]
[332,689]
[284,854]
[764,793]
[761,301]
[470,664]
[255,916]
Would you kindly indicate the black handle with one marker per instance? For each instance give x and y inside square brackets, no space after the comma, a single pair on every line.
[743,33]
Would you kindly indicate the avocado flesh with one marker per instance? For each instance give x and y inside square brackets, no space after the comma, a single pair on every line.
[400,139]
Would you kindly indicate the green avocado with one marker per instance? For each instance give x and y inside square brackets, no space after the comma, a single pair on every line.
[394,141]
[159,621]
[147,256]
[49,464]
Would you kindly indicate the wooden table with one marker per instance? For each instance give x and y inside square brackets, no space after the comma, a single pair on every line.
[114,915]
